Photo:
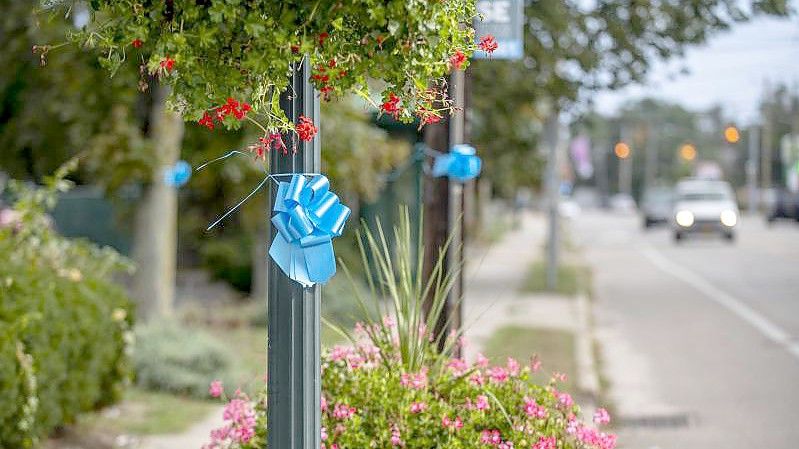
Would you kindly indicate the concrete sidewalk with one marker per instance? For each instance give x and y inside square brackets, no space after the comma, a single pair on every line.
[493,297]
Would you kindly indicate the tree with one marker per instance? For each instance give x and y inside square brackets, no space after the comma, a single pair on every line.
[573,49]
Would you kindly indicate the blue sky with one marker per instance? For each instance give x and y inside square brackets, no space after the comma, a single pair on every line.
[731,69]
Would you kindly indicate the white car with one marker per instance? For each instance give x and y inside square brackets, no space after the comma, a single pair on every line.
[704,206]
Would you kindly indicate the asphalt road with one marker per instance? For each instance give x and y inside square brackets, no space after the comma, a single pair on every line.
[699,341]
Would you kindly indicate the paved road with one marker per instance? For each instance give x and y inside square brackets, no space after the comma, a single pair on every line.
[700,340]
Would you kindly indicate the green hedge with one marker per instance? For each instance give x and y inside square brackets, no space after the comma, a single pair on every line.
[171,357]
[64,326]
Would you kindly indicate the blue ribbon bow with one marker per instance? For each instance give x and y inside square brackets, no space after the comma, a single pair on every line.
[177,175]
[460,164]
[308,217]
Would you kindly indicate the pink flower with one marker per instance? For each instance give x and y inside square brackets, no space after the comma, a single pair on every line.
[481,361]
[477,379]
[216,389]
[564,399]
[560,377]
[457,366]
[491,437]
[343,411]
[416,381]
[340,352]
[601,416]
[395,436]
[533,409]
[498,374]
[242,417]
[535,364]
[418,407]
[545,443]
[323,404]
[512,366]
[482,403]
[324,433]
[451,424]
[506,445]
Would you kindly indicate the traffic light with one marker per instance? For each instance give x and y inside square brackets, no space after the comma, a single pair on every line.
[731,134]
[688,152]
[622,150]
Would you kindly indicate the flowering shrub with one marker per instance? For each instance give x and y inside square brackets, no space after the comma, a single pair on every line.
[370,400]
[209,51]
[64,326]
[393,389]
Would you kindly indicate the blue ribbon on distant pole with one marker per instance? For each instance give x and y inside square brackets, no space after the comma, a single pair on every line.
[308,217]
[461,163]
[177,175]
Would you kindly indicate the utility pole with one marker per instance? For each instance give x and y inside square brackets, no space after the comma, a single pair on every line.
[552,128]
[293,367]
[624,152]
[650,162]
[455,259]
[767,143]
[752,169]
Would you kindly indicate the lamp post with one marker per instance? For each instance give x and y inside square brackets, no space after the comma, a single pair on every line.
[293,367]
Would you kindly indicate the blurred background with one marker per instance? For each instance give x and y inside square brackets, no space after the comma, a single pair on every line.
[636,226]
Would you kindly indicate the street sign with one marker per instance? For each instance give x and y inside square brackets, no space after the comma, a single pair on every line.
[503,19]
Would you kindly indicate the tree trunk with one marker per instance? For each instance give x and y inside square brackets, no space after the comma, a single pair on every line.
[155,233]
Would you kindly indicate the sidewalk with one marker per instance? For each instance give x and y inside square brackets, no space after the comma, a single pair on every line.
[494,298]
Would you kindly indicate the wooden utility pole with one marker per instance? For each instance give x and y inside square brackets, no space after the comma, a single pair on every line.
[293,367]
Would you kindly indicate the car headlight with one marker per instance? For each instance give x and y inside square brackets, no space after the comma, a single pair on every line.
[729,218]
[684,218]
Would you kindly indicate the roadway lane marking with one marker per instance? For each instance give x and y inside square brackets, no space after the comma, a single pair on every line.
[768,328]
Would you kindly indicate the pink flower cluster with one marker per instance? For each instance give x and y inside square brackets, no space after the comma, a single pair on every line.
[416,381]
[545,443]
[451,424]
[534,410]
[343,411]
[418,407]
[491,437]
[239,416]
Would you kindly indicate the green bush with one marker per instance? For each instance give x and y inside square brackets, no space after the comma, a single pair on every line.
[63,324]
[229,260]
[171,357]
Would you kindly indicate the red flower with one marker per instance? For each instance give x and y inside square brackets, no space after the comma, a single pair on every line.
[137,43]
[427,116]
[322,38]
[325,91]
[207,121]
[488,44]
[234,108]
[391,106]
[168,64]
[295,48]
[458,59]
[306,129]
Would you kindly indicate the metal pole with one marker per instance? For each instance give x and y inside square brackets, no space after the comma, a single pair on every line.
[752,169]
[455,260]
[650,163]
[293,367]
[552,195]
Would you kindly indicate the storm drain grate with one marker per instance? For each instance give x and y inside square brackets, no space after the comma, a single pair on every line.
[672,421]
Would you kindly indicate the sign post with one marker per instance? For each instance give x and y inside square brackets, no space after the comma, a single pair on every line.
[293,367]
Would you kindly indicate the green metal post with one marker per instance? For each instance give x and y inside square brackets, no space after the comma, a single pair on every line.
[293,367]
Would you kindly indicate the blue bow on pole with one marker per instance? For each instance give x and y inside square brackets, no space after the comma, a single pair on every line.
[308,217]
[177,175]
[461,163]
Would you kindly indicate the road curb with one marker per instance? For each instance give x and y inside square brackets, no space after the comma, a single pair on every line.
[588,374]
